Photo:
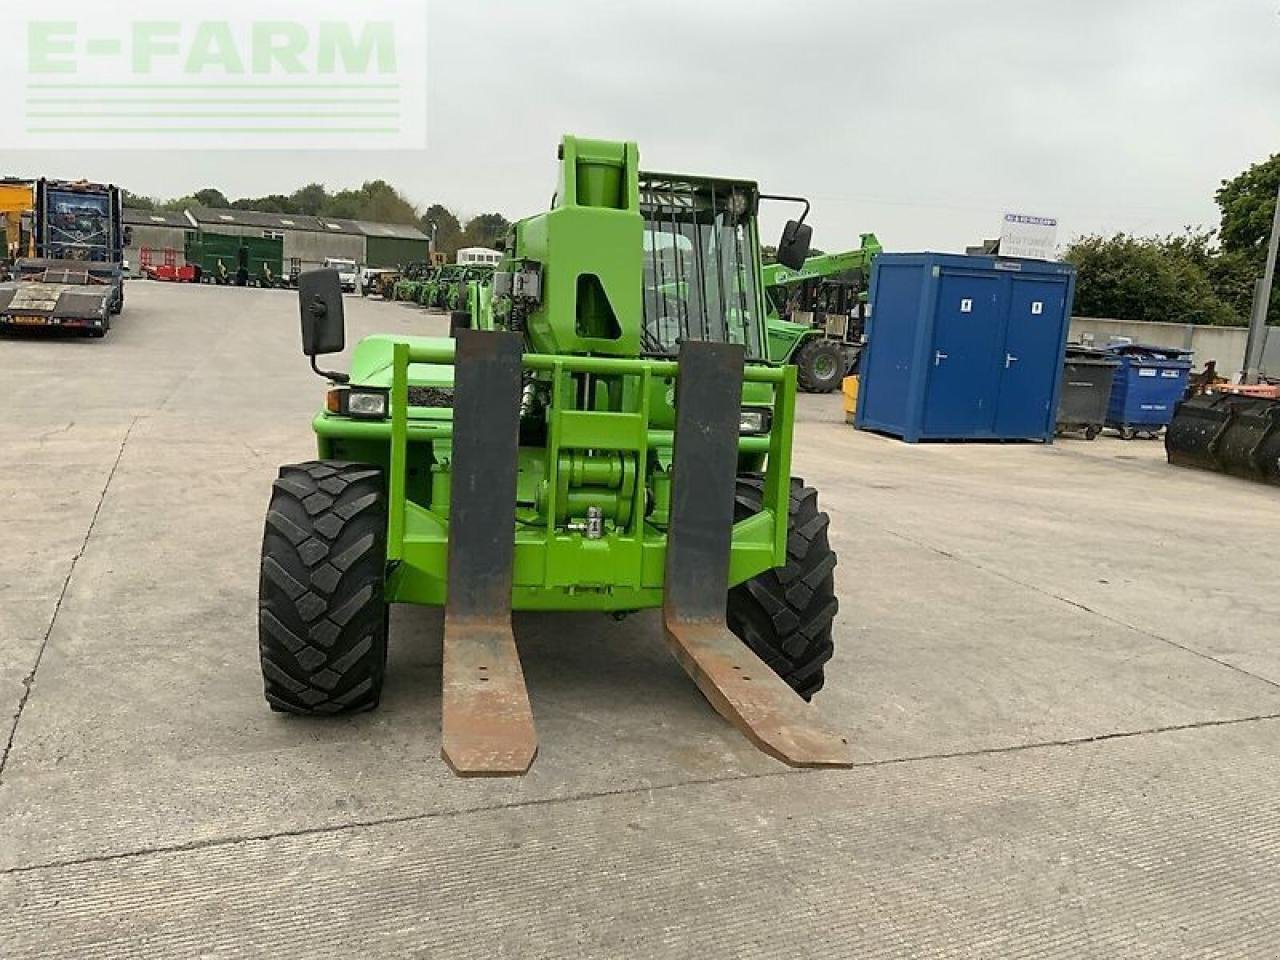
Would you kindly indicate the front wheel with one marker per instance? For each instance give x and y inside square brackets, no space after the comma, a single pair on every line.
[785,615]
[819,365]
[322,617]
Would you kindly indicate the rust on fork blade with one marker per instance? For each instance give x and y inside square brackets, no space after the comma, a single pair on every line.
[487,721]
[744,690]
[747,693]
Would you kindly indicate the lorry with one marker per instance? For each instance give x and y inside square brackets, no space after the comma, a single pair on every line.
[817,314]
[69,273]
[348,272]
[594,441]
[17,198]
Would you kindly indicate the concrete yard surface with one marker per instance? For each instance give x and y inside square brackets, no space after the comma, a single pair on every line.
[1055,665]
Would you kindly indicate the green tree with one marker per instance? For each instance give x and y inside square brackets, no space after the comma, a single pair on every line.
[211,197]
[485,230]
[272,203]
[448,229]
[385,204]
[375,200]
[1150,278]
[1248,204]
[310,200]
[136,201]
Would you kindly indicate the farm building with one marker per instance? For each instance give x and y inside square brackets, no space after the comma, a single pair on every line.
[392,244]
[156,234]
[307,240]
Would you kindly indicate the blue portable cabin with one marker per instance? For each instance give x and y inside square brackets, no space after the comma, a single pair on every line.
[964,348]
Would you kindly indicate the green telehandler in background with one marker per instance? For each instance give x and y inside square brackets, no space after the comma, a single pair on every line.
[609,436]
[817,314]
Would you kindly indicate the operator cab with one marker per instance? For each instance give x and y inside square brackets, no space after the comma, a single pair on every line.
[702,263]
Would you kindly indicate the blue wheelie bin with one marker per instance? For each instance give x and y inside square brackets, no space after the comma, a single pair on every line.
[1148,386]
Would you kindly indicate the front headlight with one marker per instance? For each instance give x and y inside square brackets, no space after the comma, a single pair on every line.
[754,421]
[360,403]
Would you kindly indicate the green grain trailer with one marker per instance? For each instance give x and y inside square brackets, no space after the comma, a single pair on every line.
[241,261]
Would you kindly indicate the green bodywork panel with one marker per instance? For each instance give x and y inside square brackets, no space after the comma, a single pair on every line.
[784,335]
[597,418]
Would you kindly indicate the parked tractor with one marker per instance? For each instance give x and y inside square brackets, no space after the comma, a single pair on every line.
[436,294]
[817,314]
[608,436]
[460,291]
[415,274]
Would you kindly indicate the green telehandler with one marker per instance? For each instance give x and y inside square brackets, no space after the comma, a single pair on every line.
[598,440]
[816,314]
[410,283]
[460,291]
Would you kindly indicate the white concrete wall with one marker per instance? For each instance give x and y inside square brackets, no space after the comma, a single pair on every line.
[1223,344]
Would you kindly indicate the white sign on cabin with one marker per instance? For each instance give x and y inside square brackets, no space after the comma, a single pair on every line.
[1022,235]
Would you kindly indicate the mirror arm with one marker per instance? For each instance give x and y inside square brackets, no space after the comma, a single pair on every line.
[331,376]
[778,196]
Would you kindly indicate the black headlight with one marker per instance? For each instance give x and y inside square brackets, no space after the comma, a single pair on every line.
[754,421]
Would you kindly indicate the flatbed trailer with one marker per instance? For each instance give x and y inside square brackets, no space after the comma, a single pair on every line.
[71,276]
[67,294]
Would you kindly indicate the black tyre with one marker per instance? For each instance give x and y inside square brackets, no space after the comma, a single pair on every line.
[819,365]
[785,615]
[322,618]
[459,320]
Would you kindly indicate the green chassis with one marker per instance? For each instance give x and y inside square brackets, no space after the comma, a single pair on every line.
[555,569]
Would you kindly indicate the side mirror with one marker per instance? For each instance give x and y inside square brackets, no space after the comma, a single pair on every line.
[793,248]
[128,236]
[320,303]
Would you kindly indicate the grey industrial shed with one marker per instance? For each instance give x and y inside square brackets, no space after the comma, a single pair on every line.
[158,232]
[393,244]
[308,240]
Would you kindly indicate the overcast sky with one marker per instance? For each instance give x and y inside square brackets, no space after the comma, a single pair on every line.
[920,120]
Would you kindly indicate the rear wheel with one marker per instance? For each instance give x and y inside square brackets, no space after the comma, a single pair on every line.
[785,615]
[819,365]
[322,618]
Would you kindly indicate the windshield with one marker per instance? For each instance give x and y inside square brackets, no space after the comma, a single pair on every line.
[79,226]
[700,266]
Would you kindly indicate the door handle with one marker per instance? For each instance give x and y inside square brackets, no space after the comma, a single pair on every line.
[1009,360]
[938,357]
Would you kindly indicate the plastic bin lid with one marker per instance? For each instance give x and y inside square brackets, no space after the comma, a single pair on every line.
[1078,351]
[1145,351]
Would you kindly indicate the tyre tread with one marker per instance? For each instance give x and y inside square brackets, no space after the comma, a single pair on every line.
[785,615]
[322,627]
